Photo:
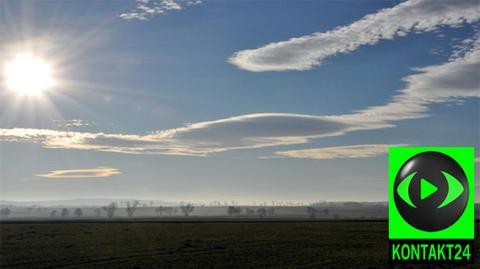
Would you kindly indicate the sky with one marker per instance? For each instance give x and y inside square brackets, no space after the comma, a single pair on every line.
[232,100]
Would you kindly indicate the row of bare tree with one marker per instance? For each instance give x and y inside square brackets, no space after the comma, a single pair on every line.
[262,212]
[313,211]
[185,209]
[5,212]
[78,212]
[131,207]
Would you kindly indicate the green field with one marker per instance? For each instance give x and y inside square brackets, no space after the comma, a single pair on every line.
[194,245]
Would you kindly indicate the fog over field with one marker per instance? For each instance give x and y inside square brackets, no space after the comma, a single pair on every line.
[106,209]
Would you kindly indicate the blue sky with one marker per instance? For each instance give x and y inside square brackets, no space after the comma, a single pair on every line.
[201,101]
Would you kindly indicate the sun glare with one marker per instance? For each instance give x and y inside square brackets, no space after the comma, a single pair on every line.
[28,75]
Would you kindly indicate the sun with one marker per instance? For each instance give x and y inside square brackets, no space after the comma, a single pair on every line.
[28,75]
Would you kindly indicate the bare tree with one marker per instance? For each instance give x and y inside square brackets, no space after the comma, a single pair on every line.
[98,212]
[64,213]
[262,212]
[249,211]
[163,210]
[131,208]
[53,213]
[5,212]
[78,212]
[232,210]
[159,210]
[271,211]
[187,209]
[110,209]
[312,212]
[326,211]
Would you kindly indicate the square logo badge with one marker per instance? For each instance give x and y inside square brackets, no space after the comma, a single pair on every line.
[431,193]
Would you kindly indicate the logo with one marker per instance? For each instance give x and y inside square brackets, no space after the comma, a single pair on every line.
[431,204]
[431,191]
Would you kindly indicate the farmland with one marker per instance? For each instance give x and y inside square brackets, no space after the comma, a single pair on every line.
[220,244]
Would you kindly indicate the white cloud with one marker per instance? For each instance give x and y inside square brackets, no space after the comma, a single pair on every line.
[72,123]
[308,51]
[147,9]
[82,173]
[246,131]
[451,81]
[454,80]
[342,152]
[262,130]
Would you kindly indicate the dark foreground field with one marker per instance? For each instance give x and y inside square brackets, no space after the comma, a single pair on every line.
[194,245]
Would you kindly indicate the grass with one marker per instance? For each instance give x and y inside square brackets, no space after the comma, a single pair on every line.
[194,245]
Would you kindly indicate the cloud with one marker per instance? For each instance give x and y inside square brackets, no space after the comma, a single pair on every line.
[342,152]
[72,123]
[451,81]
[263,130]
[306,52]
[147,9]
[246,131]
[82,173]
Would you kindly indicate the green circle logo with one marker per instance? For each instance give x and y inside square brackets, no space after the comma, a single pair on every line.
[431,191]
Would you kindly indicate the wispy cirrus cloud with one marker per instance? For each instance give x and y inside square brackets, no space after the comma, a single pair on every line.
[454,80]
[82,173]
[341,152]
[72,123]
[147,9]
[240,132]
[306,52]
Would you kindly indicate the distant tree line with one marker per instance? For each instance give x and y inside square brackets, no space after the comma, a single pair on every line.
[164,210]
[314,211]
[134,209]
[131,208]
[5,212]
[262,212]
